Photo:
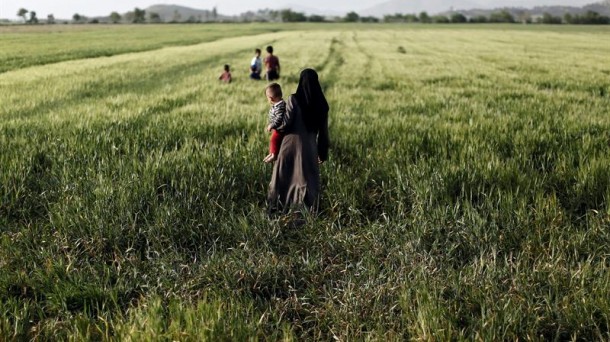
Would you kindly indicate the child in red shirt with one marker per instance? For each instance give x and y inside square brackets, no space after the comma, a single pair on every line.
[226,75]
[272,64]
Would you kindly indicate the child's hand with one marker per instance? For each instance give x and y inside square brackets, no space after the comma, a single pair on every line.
[270,158]
[269,128]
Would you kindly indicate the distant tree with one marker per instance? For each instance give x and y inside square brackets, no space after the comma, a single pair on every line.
[503,16]
[391,18]
[22,13]
[351,17]
[139,16]
[94,21]
[424,17]
[177,16]
[369,19]
[115,17]
[440,19]
[458,18]
[299,17]
[315,18]
[286,15]
[478,19]
[129,17]
[274,14]
[33,18]
[594,18]
[547,18]
[154,17]
[411,18]
[524,17]
[568,18]
[247,17]
[50,19]
[214,13]
[290,16]
[400,18]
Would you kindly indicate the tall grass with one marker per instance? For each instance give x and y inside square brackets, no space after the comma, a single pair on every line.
[466,196]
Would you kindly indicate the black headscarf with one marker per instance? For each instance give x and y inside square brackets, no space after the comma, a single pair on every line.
[311,100]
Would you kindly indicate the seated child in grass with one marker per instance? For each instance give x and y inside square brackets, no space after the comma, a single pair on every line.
[226,75]
[256,65]
[277,115]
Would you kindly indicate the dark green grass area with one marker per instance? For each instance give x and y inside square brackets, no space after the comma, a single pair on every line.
[148,223]
[463,201]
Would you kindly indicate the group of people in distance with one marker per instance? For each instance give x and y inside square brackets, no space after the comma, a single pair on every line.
[299,140]
[271,63]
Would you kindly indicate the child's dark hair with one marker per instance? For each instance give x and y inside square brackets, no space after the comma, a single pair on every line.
[227,67]
[275,90]
[257,51]
[269,49]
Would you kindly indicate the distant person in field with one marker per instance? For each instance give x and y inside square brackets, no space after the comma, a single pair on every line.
[272,65]
[277,116]
[226,75]
[256,65]
[295,180]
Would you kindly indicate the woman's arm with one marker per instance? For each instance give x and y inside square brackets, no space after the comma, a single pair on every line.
[323,141]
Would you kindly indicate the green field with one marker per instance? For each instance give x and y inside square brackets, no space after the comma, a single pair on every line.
[467,194]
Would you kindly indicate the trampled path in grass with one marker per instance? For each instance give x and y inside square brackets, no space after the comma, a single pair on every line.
[466,196]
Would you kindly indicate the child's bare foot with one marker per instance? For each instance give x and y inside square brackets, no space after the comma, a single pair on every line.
[271,157]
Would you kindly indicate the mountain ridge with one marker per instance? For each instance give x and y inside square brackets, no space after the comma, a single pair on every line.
[169,13]
[448,6]
[178,13]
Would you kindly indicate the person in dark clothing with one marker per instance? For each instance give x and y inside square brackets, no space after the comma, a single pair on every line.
[295,180]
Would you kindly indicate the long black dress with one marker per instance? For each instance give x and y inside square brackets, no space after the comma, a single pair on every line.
[295,181]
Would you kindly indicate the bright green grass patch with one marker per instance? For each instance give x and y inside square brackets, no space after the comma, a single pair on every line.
[466,197]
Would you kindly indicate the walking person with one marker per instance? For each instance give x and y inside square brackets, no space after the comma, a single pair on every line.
[272,65]
[295,180]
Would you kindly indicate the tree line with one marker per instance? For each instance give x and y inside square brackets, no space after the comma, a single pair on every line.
[504,16]
[139,16]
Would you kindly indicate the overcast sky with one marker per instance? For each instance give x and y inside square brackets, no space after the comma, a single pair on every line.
[65,9]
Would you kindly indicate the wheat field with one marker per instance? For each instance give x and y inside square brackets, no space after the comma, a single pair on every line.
[466,196]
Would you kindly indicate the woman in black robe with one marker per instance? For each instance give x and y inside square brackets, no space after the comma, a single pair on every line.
[295,181]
